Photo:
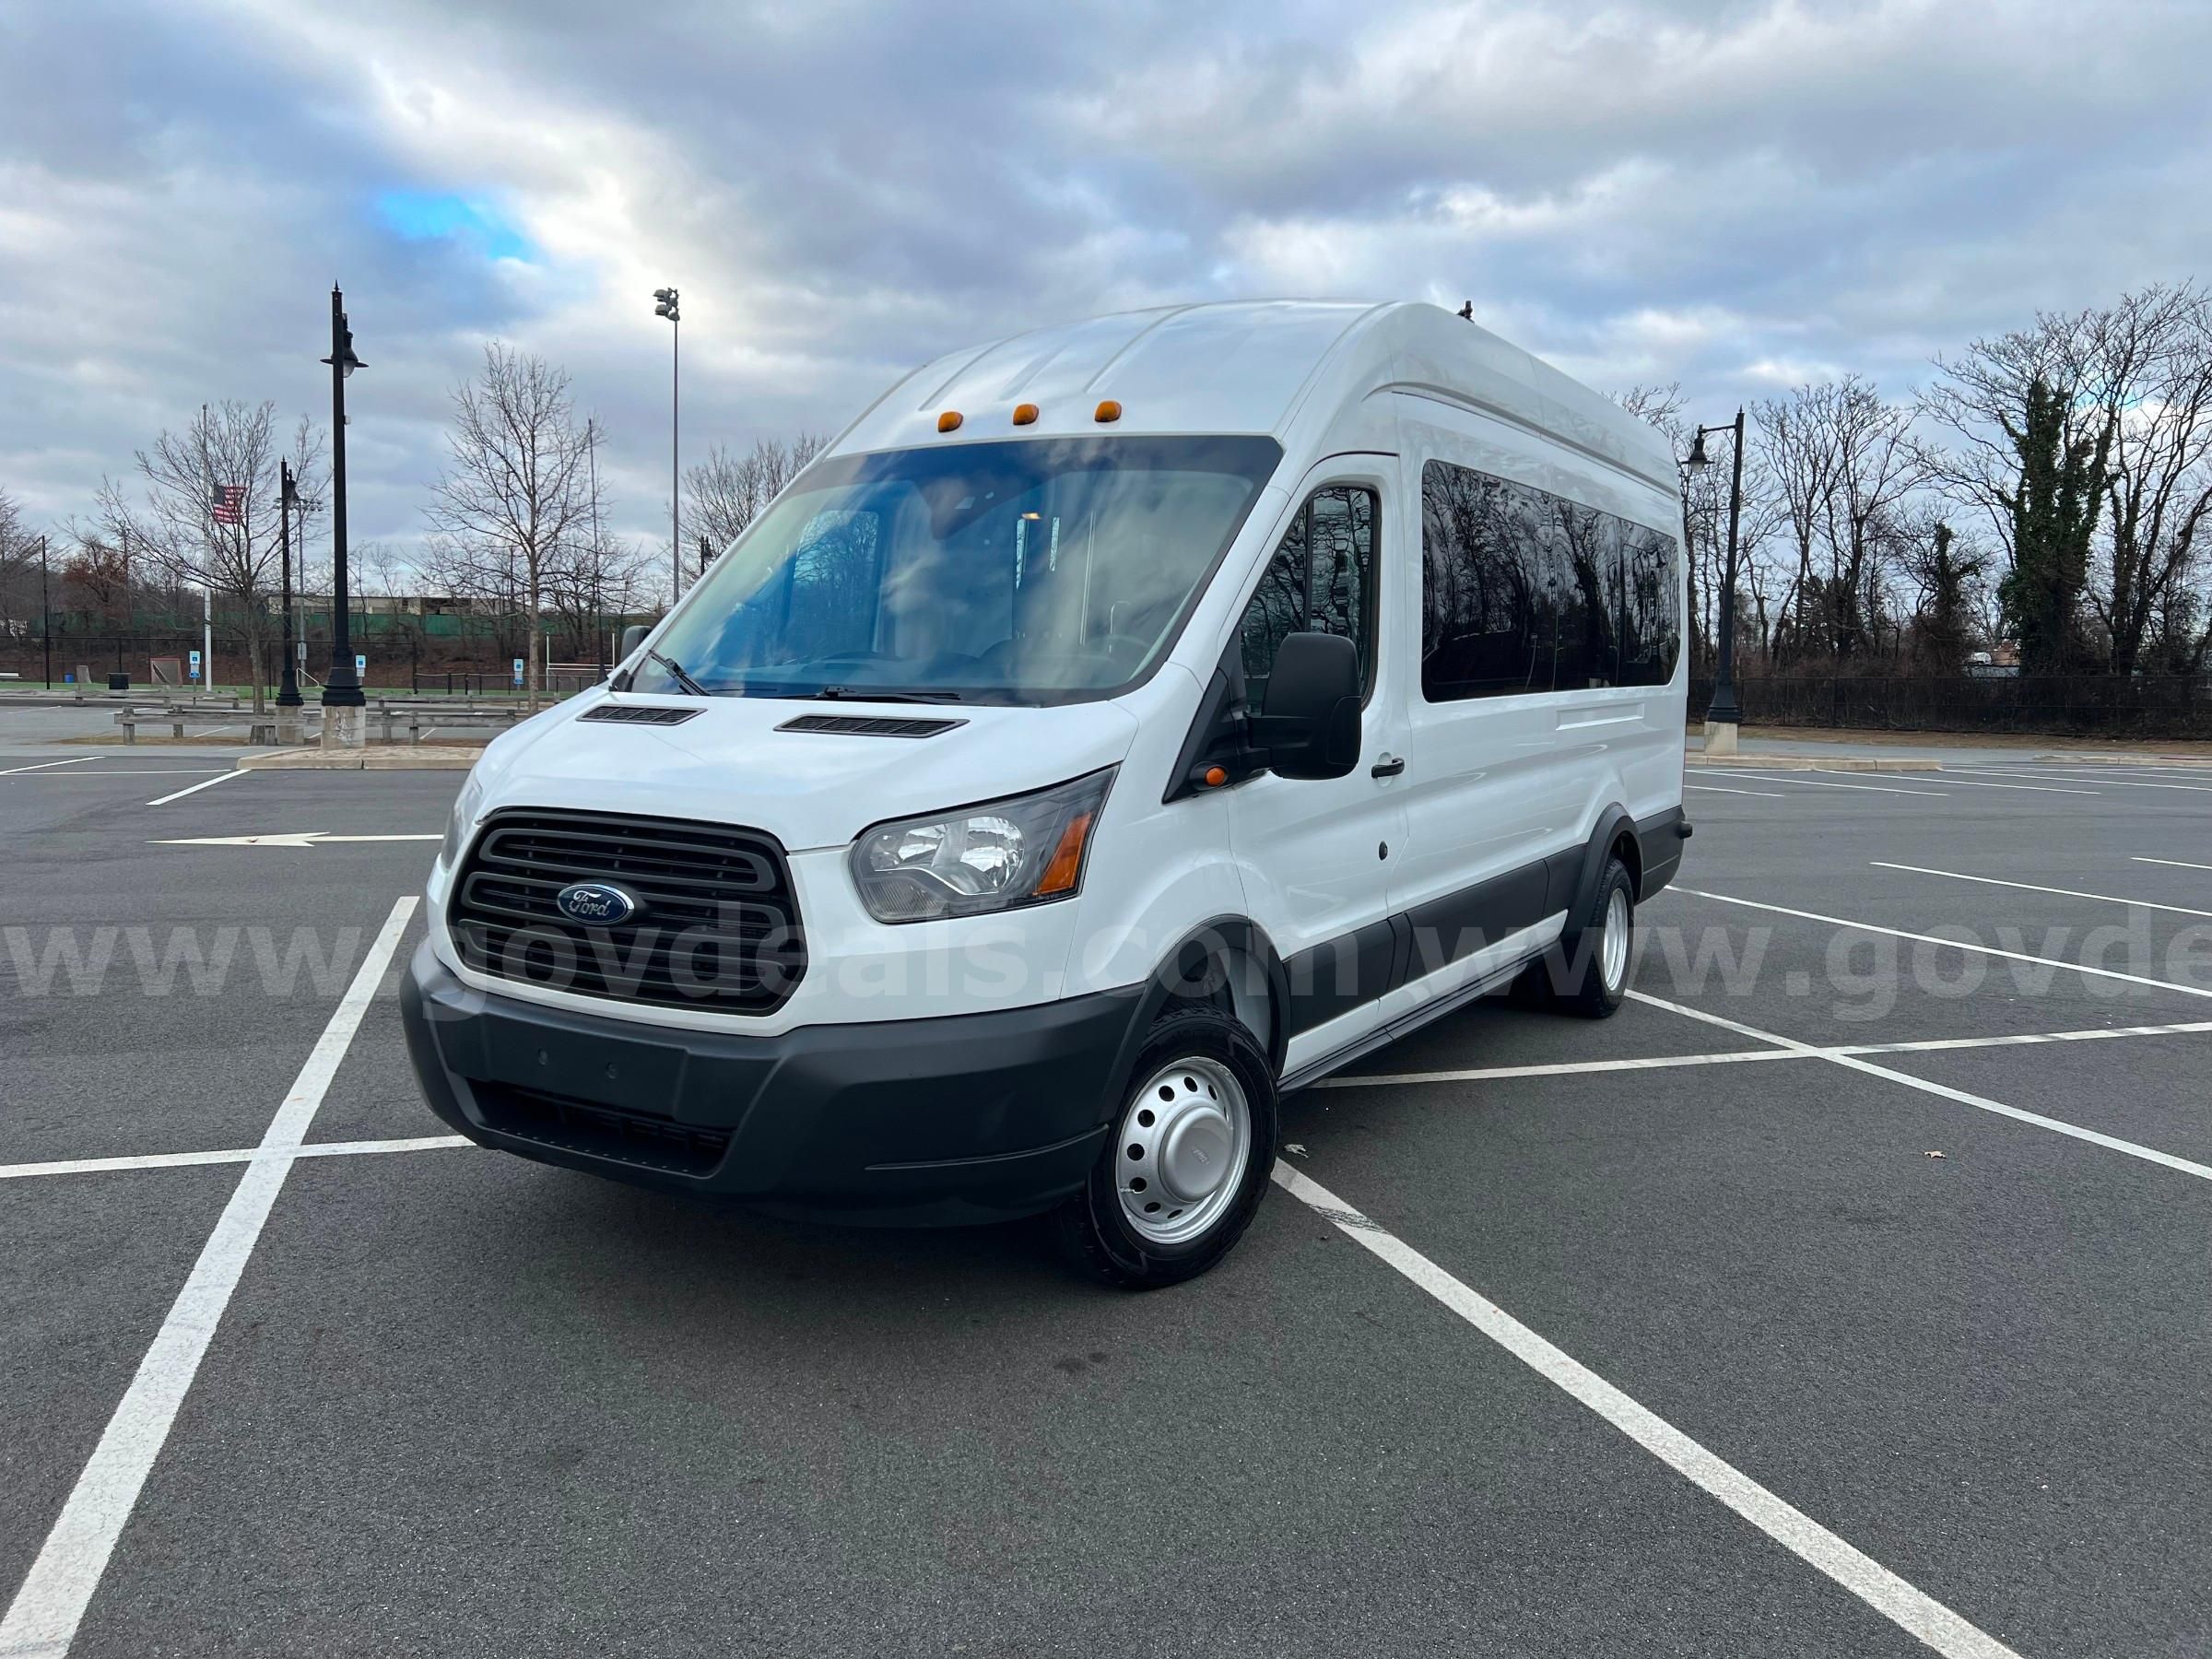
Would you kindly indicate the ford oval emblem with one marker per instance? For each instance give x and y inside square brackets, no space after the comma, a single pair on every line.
[596,904]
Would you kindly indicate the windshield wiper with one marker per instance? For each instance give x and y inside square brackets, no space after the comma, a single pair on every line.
[677,670]
[864,694]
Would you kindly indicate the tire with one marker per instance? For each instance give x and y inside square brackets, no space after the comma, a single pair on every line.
[1202,1096]
[1587,972]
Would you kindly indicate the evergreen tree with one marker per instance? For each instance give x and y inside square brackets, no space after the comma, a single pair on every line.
[2055,509]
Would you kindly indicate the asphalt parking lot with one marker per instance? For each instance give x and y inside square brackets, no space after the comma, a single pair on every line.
[1845,1295]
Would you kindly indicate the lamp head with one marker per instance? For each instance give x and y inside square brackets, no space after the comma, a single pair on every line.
[1698,461]
[343,356]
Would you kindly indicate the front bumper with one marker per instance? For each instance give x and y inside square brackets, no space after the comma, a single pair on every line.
[970,1117]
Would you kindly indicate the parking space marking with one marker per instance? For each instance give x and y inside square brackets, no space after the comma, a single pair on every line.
[126,771]
[1913,1610]
[1800,779]
[1952,780]
[1918,1045]
[1980,1102]
[1570,1068]
[43,1617]
[47,765]
[2026,886]
[196,788]
[2179,863]
[1771,795]
[186,1161]
[2107,783]
[1989,950]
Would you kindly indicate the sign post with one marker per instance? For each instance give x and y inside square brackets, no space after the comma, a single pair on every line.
[192,670]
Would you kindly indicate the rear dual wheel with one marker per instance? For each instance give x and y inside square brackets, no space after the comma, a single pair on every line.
[1587,972]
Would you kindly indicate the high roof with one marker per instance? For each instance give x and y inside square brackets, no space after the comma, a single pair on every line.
[1249,366]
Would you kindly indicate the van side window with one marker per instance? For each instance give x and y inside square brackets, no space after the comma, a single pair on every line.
[1321,580]
[1526,590]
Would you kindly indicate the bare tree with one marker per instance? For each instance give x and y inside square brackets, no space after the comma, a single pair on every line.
[516,490]
[2084,439]
[726,491]
[2153,357]
[19,558]
[232,447]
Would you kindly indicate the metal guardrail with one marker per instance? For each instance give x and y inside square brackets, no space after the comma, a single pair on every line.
[416,714]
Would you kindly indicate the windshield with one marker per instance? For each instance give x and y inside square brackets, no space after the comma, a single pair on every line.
[1037,570]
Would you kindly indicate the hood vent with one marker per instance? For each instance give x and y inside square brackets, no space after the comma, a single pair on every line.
[870,725]
[640,713]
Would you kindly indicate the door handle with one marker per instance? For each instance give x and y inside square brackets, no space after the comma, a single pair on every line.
[1390,766]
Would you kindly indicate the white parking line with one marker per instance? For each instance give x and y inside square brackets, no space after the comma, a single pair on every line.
[2146,770]
[2179,863]
[43,1617]
[46,765]
[1918,1045]
[1989,950]
[2025,887]
[196,788]
[1913,1610]
[186,1161]
[1980,1102]
[1952,780]
[2103,783]
[1799,778]
[125,772]
[1574,1068]
[1771,795]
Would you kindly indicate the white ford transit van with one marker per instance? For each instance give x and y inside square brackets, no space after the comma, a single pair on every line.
[1119,726]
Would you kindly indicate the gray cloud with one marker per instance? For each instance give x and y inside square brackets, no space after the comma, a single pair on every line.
[1732,195]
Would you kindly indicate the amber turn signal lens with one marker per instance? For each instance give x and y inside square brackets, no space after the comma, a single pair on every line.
[949,421]
[1216,776]
[1068,857]
[1109,411]
[1025,414]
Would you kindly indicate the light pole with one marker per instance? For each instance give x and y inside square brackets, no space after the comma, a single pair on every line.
[342,687]
[45,615]
[669,308]
[1723,717]
[287,679]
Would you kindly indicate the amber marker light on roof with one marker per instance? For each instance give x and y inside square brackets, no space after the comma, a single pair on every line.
[1025,414]
[949,421]
[1109,411]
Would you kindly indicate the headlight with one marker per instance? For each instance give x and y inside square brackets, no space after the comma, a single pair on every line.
[463,819]
[998,855]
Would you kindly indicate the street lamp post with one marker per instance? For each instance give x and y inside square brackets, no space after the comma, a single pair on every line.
[344,726]
[1723,717]
[288,679]
[666,306]
[45,615]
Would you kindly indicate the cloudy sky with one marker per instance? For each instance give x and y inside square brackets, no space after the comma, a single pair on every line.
[1739,196]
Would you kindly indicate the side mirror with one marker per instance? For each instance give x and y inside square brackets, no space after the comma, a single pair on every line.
[1309,726]
[632,636]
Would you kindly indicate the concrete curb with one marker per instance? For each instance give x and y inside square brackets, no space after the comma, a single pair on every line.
[423,757]
[1816,762]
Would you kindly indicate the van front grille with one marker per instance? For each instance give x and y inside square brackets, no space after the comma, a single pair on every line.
[716,927]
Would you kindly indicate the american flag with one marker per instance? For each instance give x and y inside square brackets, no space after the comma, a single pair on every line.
[229,505]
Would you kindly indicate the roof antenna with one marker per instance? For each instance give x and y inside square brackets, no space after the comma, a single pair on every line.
[1466,311]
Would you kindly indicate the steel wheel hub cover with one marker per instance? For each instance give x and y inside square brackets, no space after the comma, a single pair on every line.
[1184,1144]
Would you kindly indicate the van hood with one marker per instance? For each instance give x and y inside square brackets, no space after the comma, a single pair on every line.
[730,764]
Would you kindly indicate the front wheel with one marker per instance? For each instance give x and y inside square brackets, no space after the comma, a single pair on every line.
[1187,1164]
